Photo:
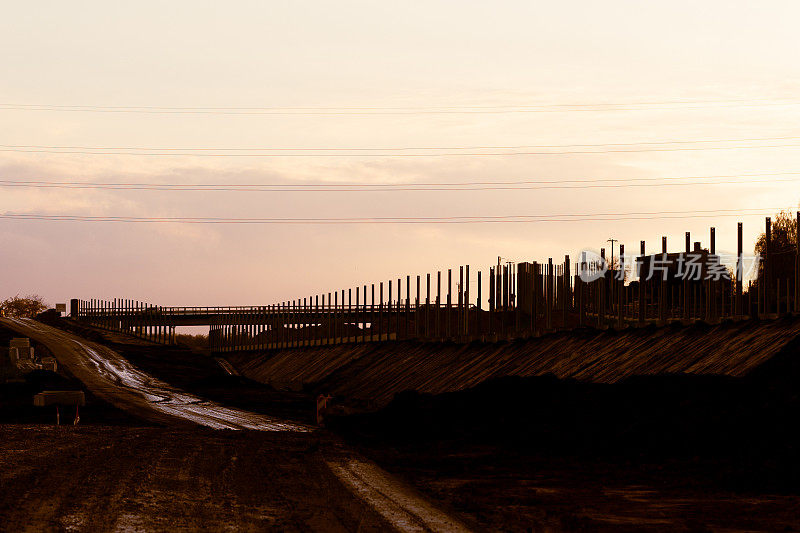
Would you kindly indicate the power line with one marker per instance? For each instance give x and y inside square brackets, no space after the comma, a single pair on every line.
[393,149]
[410,110]
[562,217]
[410,187]
[450,154]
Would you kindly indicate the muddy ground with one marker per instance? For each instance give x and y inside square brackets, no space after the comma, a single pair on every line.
[663,452]
[669,452]
[113,478]
[317,485]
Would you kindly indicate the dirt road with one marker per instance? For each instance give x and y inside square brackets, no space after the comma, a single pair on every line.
[113,378]
[276,474]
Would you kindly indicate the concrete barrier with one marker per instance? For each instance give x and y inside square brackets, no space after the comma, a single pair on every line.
[20,349]
[59,397]
[20,342]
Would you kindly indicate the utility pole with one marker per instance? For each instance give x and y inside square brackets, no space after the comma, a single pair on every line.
[612,241]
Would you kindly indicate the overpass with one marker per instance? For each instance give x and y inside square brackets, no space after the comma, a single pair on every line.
[523,300]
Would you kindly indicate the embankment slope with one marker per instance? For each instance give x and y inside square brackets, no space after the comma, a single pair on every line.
[374,373]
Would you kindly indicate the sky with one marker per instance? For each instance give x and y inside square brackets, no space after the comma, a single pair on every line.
[381,77]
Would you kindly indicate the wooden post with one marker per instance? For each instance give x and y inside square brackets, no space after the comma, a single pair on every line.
[580,287]
[797,264]
[359,321]
[505,288]
[290,324]
[342,311]
[350,311]
[449,301]
[712,242]
[567,291]
[427,305]
[537,292]
[549,296]
[642,281]
[334,314]
[417,328]
[532,295]
[621,288]
[478,307]
[739,271]
[397,310]
[500,299]
[268,330]
[365,318]
[328,320]
[601,290]
[515,300]
[491,300]
[712,283]
[460,322]
[304,340]
[767,281]
[466,303]
[662,303]
[596,299]
[505,300]
[438,332]
[389,312]
[380,313]
[685,285]
[408,306]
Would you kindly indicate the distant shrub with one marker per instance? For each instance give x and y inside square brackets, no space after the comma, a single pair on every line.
[194,341]
[19,307]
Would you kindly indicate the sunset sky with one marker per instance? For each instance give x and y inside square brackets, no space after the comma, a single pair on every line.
[378,77]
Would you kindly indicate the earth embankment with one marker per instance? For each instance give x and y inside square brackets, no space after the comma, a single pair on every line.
[373,374]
